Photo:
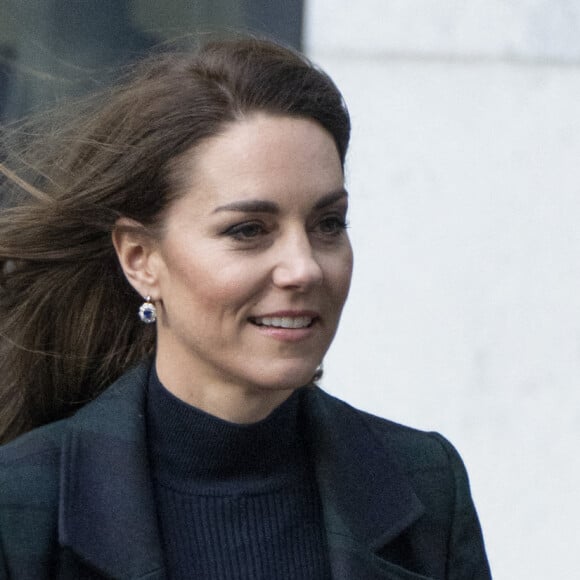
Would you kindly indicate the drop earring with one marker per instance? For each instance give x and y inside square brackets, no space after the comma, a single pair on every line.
[147,311]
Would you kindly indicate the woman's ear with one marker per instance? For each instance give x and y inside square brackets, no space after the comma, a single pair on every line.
[137,254]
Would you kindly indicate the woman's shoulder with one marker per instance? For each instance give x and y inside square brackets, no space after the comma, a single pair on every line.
[29,473]
[414,449]
[36,454]
[34,446]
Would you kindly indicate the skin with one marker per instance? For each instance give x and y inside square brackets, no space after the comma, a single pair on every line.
[259,229]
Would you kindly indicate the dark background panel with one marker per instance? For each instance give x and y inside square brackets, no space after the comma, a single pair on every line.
[53,49]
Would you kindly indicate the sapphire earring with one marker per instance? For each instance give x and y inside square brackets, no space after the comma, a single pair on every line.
[147,311]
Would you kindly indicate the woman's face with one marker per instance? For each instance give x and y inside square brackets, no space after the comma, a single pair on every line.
[254,263]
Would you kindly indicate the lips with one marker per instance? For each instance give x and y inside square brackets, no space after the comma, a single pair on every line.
[283,321]
[287,319]
[287,326]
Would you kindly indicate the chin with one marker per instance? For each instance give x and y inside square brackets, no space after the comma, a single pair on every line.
[290,377]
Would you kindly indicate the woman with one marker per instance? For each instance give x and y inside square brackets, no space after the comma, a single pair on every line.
[210,189]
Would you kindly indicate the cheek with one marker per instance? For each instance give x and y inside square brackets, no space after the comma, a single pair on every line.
[213,285]
[339,274]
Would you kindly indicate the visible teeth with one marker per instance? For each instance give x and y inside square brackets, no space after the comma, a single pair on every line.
[284,322]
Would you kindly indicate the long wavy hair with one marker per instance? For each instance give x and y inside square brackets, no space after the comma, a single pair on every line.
[68,324]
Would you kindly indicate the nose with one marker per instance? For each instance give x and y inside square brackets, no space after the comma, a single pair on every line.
[297,266]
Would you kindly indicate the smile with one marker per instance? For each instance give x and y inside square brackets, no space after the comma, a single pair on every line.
[283,321]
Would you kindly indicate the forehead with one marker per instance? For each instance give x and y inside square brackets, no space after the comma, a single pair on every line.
[262,157]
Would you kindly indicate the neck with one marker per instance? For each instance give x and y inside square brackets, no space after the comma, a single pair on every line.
[235,403]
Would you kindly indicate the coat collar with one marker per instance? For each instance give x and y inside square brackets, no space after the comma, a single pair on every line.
[367,499]
[107,509]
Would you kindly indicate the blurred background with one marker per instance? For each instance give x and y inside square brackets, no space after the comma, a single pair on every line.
[464,173]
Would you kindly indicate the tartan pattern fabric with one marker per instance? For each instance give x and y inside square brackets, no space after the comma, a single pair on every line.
[76,498]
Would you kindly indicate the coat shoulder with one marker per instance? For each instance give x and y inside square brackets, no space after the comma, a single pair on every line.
[29,490]
[30,464]
[35,451]
[414,449]
[36,468]
[446,540]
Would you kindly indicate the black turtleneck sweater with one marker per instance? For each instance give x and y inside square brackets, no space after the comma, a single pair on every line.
[234,501]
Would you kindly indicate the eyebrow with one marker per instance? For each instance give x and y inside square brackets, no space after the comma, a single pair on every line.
[262,206]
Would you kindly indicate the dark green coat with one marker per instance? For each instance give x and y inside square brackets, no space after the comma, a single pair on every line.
[76,500]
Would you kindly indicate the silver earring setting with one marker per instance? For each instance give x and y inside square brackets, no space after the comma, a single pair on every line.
[147,311]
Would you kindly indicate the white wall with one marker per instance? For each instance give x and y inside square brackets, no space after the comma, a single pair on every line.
[464,314]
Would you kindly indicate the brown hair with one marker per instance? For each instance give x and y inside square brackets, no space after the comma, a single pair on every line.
[68,324]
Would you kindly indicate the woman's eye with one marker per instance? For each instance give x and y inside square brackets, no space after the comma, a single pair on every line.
[332,225]
[247,231]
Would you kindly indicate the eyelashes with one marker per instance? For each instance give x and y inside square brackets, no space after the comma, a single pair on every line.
[252,231]
[333,225]
[245,231]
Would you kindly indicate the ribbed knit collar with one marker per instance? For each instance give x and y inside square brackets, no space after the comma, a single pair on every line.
[189,447]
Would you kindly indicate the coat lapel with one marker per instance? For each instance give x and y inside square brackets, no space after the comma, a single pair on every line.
[107,512]
[367,500]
